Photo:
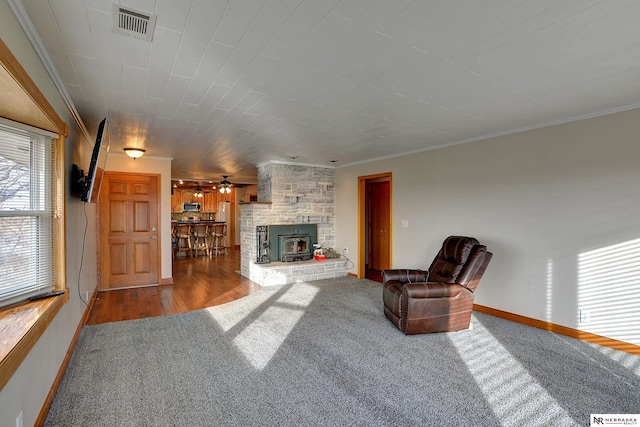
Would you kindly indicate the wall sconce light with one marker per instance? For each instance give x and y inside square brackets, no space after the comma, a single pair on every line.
[134,153]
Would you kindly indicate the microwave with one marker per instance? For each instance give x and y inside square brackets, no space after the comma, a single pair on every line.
[191,207]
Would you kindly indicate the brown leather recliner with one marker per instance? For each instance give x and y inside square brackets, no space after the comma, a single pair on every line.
[440,299]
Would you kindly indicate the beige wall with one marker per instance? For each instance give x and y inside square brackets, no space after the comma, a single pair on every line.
[152,165]
[542,201]
[27,389]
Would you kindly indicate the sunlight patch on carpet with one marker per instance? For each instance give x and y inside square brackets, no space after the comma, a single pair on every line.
[260,341]
[515,397]
[228,319]
[628,360]
[268,323]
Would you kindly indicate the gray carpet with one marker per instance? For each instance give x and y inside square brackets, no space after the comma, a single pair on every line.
[323,354]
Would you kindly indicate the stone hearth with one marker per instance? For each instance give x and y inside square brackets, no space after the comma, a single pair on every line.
[284,273]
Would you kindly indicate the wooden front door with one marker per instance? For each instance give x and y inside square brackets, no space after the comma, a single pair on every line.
[379,216]
[129,223]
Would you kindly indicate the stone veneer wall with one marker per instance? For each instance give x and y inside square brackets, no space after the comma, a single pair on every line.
[297,194]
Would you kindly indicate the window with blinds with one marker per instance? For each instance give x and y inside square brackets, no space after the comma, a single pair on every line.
[27,207]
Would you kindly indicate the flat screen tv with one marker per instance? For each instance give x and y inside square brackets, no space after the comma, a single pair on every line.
[93,181]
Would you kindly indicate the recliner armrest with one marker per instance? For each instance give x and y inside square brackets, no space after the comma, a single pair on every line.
[432,290]
[404,275]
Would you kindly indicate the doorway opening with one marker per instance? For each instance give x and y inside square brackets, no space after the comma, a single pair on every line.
[374,225]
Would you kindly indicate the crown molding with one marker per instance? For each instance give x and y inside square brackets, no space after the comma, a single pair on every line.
[32,34]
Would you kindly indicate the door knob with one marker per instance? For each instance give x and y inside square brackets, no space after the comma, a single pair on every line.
[153,237]
[153,229]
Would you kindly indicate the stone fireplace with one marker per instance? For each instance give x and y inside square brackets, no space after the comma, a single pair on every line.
[295,196]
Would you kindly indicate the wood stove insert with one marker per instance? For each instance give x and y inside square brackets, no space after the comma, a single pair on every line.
[292,242]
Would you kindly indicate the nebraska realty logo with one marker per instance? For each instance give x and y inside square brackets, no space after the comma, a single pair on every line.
[615,419]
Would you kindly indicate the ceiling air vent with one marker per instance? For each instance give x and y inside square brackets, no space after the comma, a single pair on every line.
[133,23]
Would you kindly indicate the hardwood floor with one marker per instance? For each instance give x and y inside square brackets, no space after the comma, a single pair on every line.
[198,283]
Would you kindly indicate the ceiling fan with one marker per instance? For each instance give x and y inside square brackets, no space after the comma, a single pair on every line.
[225,185]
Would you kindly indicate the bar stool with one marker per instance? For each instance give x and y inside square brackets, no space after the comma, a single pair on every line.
[183,239]
[219,238]
[174,241]
[200,239]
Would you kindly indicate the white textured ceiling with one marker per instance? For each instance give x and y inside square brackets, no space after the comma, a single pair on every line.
[227,85]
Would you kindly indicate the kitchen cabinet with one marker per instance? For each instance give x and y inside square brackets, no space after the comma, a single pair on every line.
[187,195]
[209,202]
[176,201]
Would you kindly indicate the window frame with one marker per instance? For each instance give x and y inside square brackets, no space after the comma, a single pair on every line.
[27,322]
[40,210]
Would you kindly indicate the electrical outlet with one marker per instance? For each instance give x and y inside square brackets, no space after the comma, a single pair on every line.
[345,250]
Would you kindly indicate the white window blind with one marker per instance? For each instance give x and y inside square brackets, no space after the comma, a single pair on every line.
[26,213]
